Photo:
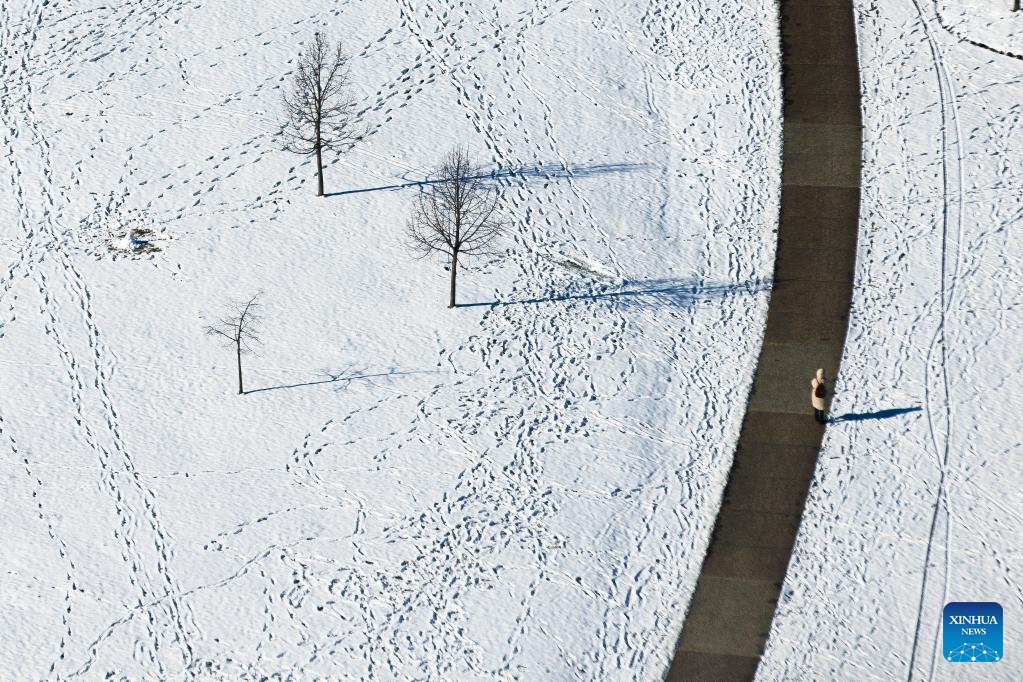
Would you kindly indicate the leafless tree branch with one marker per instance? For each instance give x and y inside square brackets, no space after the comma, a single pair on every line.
[457,215]
[320,112]
[240,329]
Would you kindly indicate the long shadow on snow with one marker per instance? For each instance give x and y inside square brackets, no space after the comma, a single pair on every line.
[534,171]
[649,293]
[880,414]
[345,376]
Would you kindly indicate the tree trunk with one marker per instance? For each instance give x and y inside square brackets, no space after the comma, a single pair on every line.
[319,163]
[241,387]
[1015,6]
[454,276]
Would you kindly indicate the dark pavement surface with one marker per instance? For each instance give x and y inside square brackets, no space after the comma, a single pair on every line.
[730,615]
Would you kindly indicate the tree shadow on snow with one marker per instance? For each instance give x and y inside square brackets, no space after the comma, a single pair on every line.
[648,293]
[880,414]
[537,171]
[345,377]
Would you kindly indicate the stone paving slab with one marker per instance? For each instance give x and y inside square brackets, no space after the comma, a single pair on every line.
[715,607]
[722,667]
[735,561]
[822,168]
[747,492]
[800,326]
[811,265]
[814,201]
[754,528]
[773,460]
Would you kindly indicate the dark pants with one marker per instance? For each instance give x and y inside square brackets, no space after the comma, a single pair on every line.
[818,415]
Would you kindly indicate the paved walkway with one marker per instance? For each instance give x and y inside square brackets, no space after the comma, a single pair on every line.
[741,578]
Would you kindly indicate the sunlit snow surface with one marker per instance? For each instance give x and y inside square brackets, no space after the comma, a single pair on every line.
[935,335]
[520,488]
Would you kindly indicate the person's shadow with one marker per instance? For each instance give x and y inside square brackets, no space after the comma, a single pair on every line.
[880,414]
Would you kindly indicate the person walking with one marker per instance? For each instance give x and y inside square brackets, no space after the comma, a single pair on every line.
[818,391]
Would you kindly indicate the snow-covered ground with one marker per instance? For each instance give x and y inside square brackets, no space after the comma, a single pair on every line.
[520,488]
[916,501]
[987,23]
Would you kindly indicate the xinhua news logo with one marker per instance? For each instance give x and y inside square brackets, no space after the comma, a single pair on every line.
[972,632]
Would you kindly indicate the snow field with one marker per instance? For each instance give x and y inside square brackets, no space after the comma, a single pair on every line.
[519,488]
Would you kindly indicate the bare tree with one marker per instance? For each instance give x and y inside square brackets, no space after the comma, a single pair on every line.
[1015,5]
[240,330]
[320,111]
[456,215]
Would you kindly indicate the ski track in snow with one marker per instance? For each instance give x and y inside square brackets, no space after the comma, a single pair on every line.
[596,384]
[951,221]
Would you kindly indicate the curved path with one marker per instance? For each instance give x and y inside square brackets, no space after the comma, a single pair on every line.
[742,574]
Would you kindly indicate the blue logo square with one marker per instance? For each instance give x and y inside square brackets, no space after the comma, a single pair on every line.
[972,632]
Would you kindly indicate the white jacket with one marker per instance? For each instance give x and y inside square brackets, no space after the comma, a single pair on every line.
[818,403]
